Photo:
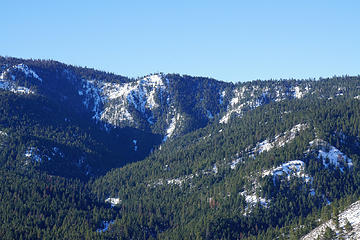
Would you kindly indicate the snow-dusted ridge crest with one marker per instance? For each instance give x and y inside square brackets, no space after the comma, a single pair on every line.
[27,71]
[245,98]
[7,79]
[110,101]
[20,67]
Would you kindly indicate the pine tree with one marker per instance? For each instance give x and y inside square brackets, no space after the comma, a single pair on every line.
[329,234]
[348,226]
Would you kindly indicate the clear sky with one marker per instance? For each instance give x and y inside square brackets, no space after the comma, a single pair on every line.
[227,40]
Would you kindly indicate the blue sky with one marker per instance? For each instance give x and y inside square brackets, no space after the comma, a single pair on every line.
[227,40]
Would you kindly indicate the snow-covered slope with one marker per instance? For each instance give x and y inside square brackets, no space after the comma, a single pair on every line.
[330,155]
[139,103]
[158,103]
[249,97]
[120,104]
[9,82]
[252,200]
[279,140]
[351,215]
[173,123]
[27,71]
[111,101]
[288,170]
[141,95]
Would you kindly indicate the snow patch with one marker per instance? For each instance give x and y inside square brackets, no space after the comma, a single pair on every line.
[297,92]
[22,90]
[312,192]
[234,101]
[113,201]
[330,155]
[295,168]
[238,105]
[116,98]
[222,96]
[32,153]
[179,181]
[27,71]
[155,83]
[141,94]
[215,169]
[279,140]
[37,155]
[92,98]
[156,183]
[263,146]
[235,162]
[3,75]
[251,196]
[4,134]
[251,97]
[238,110]
[340,92]
[300,93]
[238,95]
[171,129]
[10,86]
[234,106]
[252,199]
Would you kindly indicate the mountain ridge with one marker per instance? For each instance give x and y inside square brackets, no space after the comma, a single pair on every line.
[155,103]
[172,156]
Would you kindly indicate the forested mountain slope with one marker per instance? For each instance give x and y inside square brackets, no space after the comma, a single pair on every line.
[278,165]
[42,134]
[166,104]
[344,225]
[89,154]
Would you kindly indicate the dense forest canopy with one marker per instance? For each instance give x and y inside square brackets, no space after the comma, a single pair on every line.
[86,154]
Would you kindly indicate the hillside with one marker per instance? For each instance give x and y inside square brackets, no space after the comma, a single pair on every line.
[246,178]
[167,104]
[346,225]
[169,156]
